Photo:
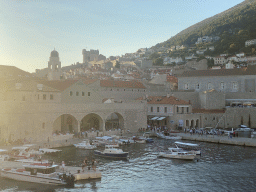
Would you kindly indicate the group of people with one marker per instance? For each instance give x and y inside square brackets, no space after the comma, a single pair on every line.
[87,164]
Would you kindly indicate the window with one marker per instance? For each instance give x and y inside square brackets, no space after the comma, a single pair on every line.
[235,85]
[44,96]
[187,109]
[165,109]
[117,89]
[157,109]
[77,93]
[70,93]
[222,85]
[186,86]
[82,93]
[152,109]
[197,86]
[43,125]
[23,98]
[51,97]
[38,97]
[177,109]
[89,93]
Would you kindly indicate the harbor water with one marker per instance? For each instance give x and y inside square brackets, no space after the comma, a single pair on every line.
[219,168]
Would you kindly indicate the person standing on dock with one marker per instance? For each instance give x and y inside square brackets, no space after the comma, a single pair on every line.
[63,165]
[94,164]
[85,163]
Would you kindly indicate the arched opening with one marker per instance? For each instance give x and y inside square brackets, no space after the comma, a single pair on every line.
[187,123]
[192,124]
[114,121]
[92,122]
[65,124]
[197,123]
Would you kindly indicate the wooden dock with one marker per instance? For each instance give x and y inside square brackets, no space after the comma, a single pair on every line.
[83,175]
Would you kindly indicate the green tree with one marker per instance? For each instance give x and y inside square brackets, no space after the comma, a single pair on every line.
[158,61]
[117,65]
[154,56]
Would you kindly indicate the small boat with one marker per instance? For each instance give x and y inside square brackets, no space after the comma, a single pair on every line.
[176,153]
[39,173]
[49,151]
[190,147]
[125,141]
[139,139]
[85,145]
[112,153]
[3,155]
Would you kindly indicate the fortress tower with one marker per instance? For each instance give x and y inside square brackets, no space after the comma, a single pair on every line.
[91,55]
[54,66]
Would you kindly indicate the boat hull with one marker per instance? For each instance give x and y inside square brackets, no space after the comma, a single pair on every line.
[171,156]
[32,178]
[111,155]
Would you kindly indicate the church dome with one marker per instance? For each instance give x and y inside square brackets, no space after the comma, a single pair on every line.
[54,53]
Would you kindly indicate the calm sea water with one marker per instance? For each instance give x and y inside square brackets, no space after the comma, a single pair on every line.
[220,168]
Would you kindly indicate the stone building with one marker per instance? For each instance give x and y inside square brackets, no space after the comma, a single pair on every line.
[171,112]
[223,80]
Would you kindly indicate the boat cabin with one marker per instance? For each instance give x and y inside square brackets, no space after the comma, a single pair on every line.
[44,168]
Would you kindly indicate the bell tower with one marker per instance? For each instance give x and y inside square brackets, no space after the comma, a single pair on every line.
[54,66]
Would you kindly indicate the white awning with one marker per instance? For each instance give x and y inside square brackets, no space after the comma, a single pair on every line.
[160,118]
[154,118]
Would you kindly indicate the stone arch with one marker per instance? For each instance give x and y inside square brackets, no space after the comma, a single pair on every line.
[197,123]
[192,123]
[65,123]
[90,121]
[114,121]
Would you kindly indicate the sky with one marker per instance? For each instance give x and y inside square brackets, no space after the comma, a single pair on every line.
[31,29]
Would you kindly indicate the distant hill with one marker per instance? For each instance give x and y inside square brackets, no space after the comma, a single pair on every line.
[234,26]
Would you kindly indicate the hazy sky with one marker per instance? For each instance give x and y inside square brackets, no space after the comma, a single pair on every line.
[31,29]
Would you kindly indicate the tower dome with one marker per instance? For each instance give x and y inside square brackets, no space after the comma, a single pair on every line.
[54,53]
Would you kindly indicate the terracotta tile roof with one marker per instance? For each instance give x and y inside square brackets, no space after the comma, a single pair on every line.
[165,100]
[60,85]
[250,70]
[124,84]
[208,111]
[171,79]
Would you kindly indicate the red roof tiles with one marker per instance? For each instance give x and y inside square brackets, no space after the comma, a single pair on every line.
[124,84]
[165,100]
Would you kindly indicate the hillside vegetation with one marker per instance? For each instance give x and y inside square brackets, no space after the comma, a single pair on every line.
[234,26]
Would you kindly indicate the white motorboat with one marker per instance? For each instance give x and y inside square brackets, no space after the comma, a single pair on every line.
[106,140]
[39,173]
[85,145]
[190,147]
[139,139]
[49,151]
[112,153]
[3,155]
[176,153]
[125,141]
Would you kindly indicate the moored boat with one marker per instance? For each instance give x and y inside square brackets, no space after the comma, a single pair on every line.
[190,147]
[85,145]
[112,153]
[176,153]
[44,173]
